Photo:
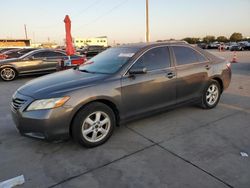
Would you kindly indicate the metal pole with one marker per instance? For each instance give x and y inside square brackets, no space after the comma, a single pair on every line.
[25,30]
[147,22]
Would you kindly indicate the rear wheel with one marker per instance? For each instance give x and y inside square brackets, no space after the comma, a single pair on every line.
[8,74]
[211,95]
[93,125]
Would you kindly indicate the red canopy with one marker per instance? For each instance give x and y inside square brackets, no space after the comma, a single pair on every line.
[69,43]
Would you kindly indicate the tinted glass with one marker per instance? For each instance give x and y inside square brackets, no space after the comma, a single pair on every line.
[24,51]
[157,58]
[56,54]
[185,55]
[40,55]
[109,61]
[201,58]
[13,55]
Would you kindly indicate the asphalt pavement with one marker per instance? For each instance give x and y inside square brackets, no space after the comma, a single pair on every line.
[184,147]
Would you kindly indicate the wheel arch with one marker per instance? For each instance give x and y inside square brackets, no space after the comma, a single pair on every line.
[107,102]
[9,66]
[219,80]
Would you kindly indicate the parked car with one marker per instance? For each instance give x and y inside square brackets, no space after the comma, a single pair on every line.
[202,45]
[35,62]
[5,51]
[239,47]
[117,86]
[73,61]
[91,51]
[18,52]
[213,45]
[2,50]
[228,45]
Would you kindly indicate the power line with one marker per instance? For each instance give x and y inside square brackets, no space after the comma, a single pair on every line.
[147,22]
[87,8]
[104,14]
[74,15]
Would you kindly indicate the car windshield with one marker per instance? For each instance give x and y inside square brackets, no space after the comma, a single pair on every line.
[109,61]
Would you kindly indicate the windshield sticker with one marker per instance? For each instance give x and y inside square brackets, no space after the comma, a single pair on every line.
[126,54]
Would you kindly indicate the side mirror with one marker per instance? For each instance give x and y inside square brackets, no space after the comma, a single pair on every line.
[31,58]
[139,70]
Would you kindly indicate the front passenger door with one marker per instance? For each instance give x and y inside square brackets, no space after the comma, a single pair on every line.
[152,90]
[33,63]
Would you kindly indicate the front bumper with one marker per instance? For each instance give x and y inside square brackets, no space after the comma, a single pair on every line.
[49,124]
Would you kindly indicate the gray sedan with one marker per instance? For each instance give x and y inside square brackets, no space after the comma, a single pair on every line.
[118,85]
[35,62]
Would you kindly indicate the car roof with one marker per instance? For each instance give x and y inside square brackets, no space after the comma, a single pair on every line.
[41,50]
[151,44]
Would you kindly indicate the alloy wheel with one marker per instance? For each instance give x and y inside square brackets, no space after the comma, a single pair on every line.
[8,74]
[96,126]
[212,94]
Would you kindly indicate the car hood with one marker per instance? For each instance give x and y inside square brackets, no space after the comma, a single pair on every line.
[57,84]
[4,61]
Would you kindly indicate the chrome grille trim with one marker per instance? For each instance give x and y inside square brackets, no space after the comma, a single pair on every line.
[17,103]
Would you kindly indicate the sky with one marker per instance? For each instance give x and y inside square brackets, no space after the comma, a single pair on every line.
[123,21]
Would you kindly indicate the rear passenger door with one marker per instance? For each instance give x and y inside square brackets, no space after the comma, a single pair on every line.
[153,90]
[192,69]
[52,60]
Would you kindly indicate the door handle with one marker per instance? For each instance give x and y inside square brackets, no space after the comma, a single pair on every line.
[207,67]
[170,75]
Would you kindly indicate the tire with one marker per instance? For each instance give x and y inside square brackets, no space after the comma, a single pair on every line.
[213,90]
[8,74]
[93,125]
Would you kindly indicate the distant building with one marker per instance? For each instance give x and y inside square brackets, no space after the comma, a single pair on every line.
[14,43]
[49,45]
[96,41]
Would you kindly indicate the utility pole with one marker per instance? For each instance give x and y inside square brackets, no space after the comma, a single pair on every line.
[25,30]
[147,22]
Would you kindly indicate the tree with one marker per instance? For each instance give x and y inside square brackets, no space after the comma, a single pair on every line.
[222,39]
[191,40]
[209,39]
[235,37]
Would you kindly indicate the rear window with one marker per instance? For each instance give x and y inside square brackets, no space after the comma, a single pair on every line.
[185,55]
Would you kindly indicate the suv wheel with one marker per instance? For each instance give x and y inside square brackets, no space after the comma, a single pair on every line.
[93,125]
[7,74]
[211,95]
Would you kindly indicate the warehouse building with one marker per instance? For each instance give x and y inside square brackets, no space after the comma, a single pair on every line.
[14,43]
[97,41]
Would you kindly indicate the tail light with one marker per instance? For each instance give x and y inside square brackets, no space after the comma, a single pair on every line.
[228,65]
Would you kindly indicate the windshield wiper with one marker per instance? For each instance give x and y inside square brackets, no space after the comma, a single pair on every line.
[91,72]
[87,71]
[84,70]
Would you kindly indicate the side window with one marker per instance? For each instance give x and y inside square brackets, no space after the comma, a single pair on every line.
[40,55]
[55,54]
[201,58]
[185,55]
[157,58]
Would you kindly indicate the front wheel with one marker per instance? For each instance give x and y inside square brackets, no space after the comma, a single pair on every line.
[211,95]
[93,124]
[8,74]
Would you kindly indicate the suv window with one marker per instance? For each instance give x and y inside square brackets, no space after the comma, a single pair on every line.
[157,58]
[185,55]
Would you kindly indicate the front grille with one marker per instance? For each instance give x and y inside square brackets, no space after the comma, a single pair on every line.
[17,103]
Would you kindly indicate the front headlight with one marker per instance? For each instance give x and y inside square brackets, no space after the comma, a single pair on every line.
[47,103]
